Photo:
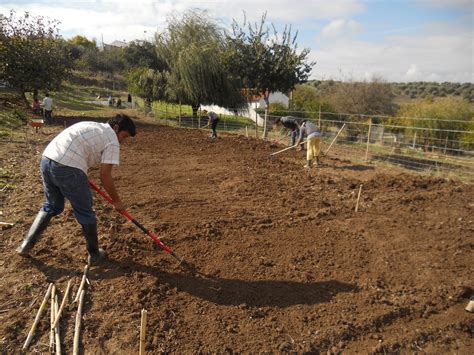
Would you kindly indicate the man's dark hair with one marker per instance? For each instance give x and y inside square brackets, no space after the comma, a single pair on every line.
[124,122]
[278,120]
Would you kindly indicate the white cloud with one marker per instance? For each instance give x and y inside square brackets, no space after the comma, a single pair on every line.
[341,27]
[464,4]
[421,57]
[125,19]
[287,11]
[412,71]
[442,53]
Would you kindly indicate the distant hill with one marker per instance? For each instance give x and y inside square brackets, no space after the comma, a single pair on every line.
[415,90]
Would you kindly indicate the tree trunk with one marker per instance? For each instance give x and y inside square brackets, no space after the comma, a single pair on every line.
[195,109]
[25,100]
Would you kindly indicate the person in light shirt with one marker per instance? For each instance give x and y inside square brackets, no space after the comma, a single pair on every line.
[64,165]
[48,108]
[313,142]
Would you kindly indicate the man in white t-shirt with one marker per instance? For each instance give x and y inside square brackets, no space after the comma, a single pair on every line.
[48,108]
[64,166]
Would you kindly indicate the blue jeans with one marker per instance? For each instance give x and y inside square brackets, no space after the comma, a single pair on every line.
[214,127]
[294,135]
[48,116]
[59,182]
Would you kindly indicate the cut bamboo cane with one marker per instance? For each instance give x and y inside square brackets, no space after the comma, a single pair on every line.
[143,332]
[63,303]
[358,198]
[56,328]
[53,316]
[83,281]
[38,316]
[77,330]
[337,135]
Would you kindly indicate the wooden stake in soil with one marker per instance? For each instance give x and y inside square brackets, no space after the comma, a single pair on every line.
[143,332]
[319,119]
[77,330]
[337,135]
[358,198]
[56,328]
[246,132]
[38,316]
[63,303]
[83,281]
[51,333]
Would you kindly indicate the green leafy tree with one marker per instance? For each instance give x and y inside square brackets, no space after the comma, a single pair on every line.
[359,99]
[264,60]
[191,48]
[147,83]
[79,45]
[439,122]
[32,55]
[142,55]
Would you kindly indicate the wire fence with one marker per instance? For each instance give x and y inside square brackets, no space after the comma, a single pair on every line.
[446,150]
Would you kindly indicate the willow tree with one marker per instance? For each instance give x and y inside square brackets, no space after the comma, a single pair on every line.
[192,47]
[150,84]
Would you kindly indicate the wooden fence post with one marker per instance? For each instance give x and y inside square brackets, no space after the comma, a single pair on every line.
[368,141]
[319,119]
[256,123]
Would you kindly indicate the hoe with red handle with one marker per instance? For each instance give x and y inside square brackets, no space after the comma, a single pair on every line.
[135,222]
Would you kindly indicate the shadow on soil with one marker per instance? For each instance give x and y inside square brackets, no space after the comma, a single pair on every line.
[235,292]
[259,293]
[354,167]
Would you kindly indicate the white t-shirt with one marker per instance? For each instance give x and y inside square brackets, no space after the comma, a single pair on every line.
[84,145]
[48,103]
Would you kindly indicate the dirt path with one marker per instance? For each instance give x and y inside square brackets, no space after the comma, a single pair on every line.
[286,264]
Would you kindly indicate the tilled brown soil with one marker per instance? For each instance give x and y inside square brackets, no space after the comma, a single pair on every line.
[283,262]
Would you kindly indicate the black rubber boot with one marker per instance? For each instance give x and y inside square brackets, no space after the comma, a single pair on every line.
[96,254]
[318,162]
[39,225]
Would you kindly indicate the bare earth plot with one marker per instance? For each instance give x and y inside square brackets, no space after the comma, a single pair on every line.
[286,264]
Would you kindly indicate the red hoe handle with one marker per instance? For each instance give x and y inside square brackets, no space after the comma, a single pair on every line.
[135,222]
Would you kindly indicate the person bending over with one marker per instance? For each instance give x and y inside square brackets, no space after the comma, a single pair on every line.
[313,142]
[64,165]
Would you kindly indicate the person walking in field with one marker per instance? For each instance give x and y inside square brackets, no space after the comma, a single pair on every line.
[64,165]
[48,108]
[313,142]
[213,120]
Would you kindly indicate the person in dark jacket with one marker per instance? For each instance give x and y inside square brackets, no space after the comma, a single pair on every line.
[290,123]
[213,120]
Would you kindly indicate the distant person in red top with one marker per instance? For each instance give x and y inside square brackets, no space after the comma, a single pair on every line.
[36,107]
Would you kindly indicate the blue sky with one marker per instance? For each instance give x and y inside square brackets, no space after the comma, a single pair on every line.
[396,40]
